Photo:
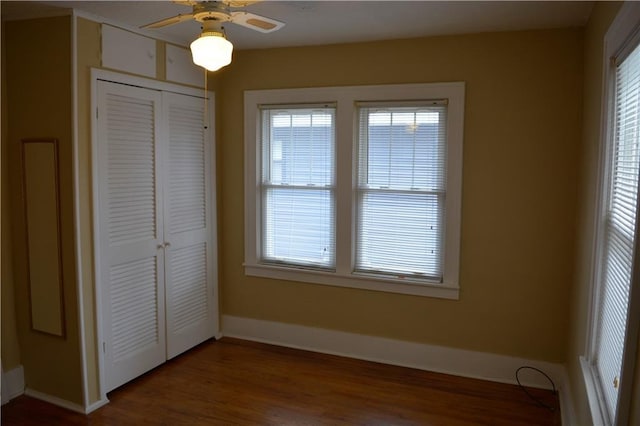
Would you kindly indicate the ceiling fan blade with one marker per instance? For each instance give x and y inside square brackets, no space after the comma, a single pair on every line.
[240,3]
[256,22]
[169,21]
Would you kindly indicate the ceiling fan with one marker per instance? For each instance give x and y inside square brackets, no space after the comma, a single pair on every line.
[212,50]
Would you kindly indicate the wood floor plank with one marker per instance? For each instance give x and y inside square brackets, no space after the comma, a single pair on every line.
[235,382]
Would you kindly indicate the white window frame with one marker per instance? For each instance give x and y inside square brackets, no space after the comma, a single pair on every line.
[622,36]
[345,99]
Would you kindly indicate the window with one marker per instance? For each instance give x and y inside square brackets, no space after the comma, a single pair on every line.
[401,190]
[297,186]
[355,186]
[615,269]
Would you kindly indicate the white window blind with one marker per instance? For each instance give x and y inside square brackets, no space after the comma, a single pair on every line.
[297,185]
[401,190]
[620,231]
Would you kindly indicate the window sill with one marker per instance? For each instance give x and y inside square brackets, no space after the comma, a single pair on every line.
[441,291]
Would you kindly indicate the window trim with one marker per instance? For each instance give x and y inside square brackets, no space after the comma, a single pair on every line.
[346,98]
[622,36]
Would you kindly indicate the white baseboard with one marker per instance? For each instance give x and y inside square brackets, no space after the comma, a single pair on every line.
[440,359]
[78,408]
[93,407]
[12,384]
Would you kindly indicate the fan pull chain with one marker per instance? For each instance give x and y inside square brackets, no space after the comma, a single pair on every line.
[206,115]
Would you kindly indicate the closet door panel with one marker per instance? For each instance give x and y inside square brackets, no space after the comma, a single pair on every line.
[131,265]
[190,253]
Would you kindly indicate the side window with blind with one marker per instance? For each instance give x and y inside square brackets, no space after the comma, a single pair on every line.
[619,232]
[356,186]
[608,364]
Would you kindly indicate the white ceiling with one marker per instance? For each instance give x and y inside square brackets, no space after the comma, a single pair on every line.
[329,22]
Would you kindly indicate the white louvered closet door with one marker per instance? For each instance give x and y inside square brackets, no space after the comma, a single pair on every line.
[190,249]
[131,266]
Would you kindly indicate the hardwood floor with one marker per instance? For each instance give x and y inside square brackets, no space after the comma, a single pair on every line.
[235,382]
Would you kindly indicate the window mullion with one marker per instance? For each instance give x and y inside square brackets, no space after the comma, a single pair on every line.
[345,183]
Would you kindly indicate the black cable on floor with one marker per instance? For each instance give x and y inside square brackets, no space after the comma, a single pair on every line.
[537,400]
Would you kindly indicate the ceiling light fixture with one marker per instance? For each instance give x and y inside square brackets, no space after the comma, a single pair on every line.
[211,50]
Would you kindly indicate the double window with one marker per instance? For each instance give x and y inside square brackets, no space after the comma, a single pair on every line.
[355,186]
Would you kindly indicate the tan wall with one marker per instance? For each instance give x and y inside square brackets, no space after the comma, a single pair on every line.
[39,105]
[521,150]
[599,22]
[9,342]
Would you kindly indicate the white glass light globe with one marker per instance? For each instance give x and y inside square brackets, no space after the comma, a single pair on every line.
[211,51]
